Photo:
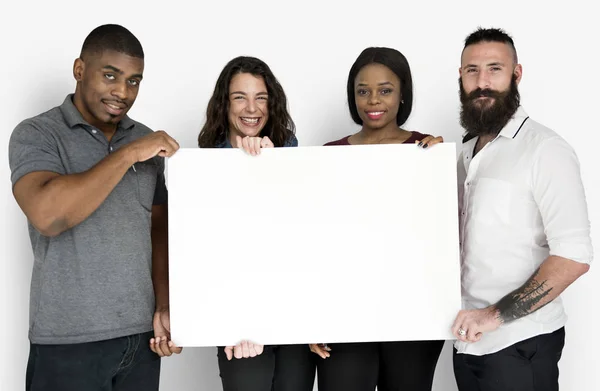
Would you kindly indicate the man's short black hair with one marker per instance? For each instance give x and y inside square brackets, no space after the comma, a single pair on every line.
[111,37]
[491,35]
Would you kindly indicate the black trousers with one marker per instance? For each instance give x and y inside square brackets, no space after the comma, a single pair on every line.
[120,364]
[529,365]
[389,366]
[278,368]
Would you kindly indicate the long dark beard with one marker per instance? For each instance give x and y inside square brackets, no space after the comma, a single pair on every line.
[488,119]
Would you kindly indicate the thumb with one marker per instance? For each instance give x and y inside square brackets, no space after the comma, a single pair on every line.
[229,350]
[259,348]
[159,330]
[166,322]
[238,141]
[266,142]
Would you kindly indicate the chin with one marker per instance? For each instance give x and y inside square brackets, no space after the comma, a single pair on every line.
[375,125]
[485,101]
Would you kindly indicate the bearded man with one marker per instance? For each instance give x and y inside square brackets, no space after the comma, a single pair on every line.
[525,232]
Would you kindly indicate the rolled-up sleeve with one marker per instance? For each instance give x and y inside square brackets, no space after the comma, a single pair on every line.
[560,195]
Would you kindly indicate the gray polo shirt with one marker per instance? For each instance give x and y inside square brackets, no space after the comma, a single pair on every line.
[93,281]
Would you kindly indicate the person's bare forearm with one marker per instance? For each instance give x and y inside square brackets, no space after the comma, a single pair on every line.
[66,200]
[160,256]
[547,283]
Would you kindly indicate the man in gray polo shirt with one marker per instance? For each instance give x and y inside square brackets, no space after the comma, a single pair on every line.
[91,182]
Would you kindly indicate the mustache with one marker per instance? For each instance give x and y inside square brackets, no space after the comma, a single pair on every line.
[481,93]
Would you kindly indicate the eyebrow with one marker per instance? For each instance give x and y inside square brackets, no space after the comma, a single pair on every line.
[120,72]
[489,65]
[243,93]
[385,83]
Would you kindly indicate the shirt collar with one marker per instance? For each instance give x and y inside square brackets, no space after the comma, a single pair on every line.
[512,128]
[73,117]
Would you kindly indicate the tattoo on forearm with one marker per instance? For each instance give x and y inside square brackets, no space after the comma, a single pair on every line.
[524,300]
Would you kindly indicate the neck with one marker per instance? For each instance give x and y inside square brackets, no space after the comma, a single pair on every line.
[108,129]
[482,142]
[374,136]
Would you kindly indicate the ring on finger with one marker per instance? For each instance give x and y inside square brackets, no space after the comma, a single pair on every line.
[462,332]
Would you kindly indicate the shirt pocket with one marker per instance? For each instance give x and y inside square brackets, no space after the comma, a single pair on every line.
[146,174]
[491,200]
[496,201]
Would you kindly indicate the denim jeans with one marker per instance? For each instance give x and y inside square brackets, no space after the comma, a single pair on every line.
[120,364]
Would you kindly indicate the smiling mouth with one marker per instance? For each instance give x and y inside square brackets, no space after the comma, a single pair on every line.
[250,120]
[375,114]
[114,108]
[483,99]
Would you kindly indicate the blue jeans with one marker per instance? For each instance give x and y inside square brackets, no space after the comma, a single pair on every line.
[120,364]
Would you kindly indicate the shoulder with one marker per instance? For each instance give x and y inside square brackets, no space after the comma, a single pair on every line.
[342,141]
[38,126]
[292,141]
[545,140]
[416,136]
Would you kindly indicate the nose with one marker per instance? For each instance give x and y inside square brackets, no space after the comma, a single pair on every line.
[251,106]
[483,80]
[373,99]
[120,90]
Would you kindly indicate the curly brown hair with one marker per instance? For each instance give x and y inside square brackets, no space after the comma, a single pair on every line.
[279,127]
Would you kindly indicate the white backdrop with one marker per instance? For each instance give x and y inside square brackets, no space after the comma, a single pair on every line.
[310,46]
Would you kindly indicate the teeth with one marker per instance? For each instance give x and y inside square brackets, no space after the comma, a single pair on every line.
[113,106]
[250,120]
[376,112]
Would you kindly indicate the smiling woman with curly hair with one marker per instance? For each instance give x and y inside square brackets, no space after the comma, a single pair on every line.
[248,110]
[248,102]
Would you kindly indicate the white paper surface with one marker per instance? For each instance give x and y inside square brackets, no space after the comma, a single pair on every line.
[313,244]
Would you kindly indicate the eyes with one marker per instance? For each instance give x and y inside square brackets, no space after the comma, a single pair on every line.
[365,92]
[261,98]
[132,82]
[492,69]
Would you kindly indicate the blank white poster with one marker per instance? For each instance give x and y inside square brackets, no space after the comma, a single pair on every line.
[313,244]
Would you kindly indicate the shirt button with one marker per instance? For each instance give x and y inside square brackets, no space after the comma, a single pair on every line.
[94,131]
[111,148]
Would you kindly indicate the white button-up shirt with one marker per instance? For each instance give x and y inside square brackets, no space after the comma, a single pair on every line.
[521,199]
